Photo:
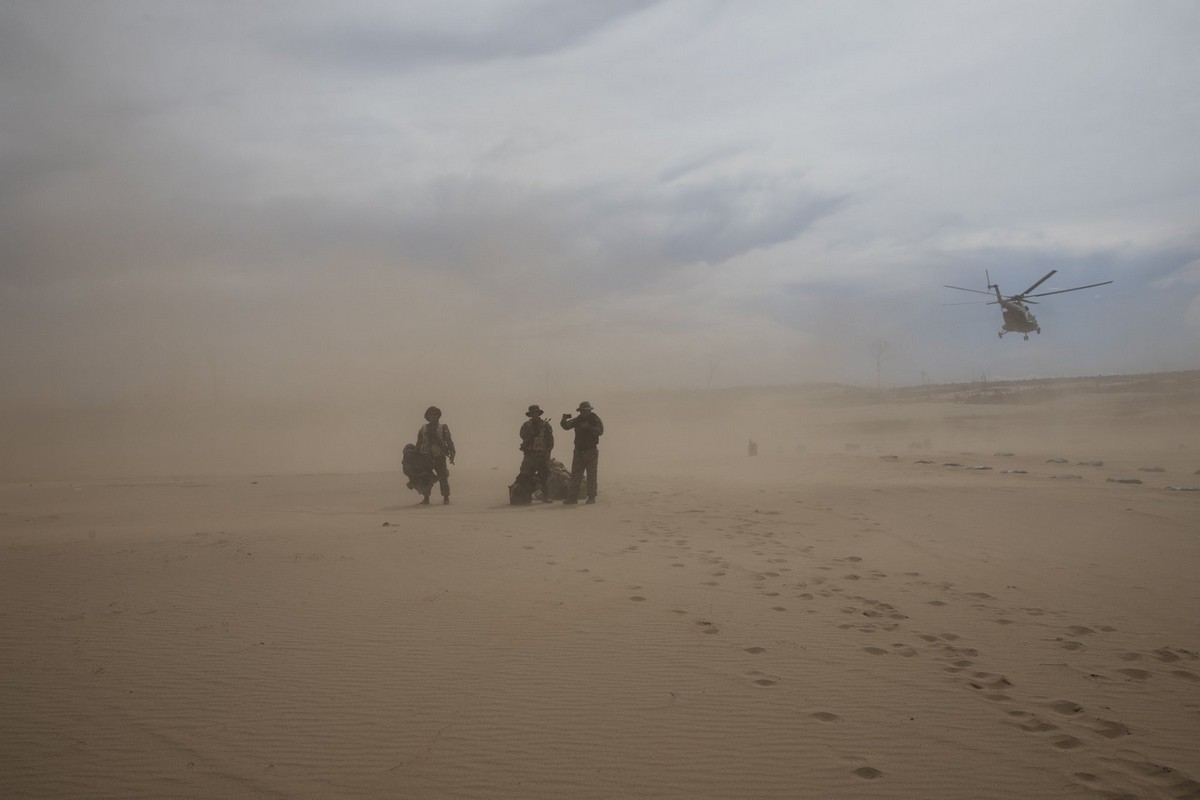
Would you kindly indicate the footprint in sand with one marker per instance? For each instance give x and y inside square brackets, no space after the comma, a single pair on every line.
[761,679]
[1066,743]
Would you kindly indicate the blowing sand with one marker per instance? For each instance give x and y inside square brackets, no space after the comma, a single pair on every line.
[907,600]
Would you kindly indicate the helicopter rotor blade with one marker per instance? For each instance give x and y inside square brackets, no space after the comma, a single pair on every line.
[1076,289]
[961,289]
[1039,283]
[973,303]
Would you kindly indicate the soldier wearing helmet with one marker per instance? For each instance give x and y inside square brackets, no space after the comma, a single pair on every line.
[434,440]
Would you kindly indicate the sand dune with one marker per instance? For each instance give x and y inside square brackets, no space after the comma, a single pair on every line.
[815,622]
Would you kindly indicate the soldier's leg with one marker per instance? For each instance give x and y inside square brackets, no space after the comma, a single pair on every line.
[443,474]
[543,477]
[578,462]
[593,461]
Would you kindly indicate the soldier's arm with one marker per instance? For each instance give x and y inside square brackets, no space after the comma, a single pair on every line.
[598,425]
[568,422]
[450,451]
[549,437]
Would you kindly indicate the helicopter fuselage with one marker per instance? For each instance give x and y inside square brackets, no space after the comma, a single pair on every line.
[1018,318]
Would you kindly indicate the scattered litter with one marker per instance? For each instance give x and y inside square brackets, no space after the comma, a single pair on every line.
[1015,472]
[1005,455]
[923,461]
[1123,480]
[952,464]
[1091,463]
[1057,461]
[1151,469]
[981,466]
[1067,477]
[1184,488]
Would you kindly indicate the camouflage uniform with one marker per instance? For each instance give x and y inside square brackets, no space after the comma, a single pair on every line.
[434,440]
[537,440]
[588,429]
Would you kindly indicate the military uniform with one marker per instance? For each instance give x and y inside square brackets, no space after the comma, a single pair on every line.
[537,440]
[434,440]
[588,429]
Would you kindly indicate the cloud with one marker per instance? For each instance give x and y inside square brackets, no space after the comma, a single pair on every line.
[521,31]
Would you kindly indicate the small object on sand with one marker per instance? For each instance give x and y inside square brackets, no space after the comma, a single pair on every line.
[1091,464]
[387,524]
[1005,455]
[1067,477]
[981,466]
[952,464]
[1122,480]
[1184,488]
[1151,469]
[922,461]
[1014,471]
[1056,461]
[889,458]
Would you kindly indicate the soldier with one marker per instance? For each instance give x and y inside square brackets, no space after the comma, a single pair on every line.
[537,440]
[433,439]
[588,430]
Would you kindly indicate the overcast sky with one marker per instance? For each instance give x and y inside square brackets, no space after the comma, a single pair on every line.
[292,198]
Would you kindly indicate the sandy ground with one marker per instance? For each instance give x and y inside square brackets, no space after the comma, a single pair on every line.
[868,612]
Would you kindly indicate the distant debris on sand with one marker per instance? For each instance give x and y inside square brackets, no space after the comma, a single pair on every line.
[1151,469]
[1067,477]
[1123,480]
[922,461]
[980,466]
[1184,488]
[1090,464]
[952,464]
[1014,471]
[1005,455]
[1057,461]
[889,458]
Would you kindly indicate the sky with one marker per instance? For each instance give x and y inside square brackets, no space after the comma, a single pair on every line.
[279,200]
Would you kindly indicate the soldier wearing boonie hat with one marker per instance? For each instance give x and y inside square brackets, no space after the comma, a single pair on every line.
[537,440]
[588,429]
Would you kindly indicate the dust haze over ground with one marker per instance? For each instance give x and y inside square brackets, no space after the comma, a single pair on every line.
[647,431]
[252,239]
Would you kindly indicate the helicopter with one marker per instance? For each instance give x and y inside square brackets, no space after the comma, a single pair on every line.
[1017,316]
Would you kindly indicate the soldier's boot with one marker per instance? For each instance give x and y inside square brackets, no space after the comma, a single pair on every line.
[570,501]
[425,500]
[591,501]
[446,500]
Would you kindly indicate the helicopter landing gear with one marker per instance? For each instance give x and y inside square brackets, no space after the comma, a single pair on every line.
[1027,337]
[1000,335]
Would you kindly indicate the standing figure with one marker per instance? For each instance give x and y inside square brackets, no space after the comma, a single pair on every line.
[537,440]
[588,430]
[433,439]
